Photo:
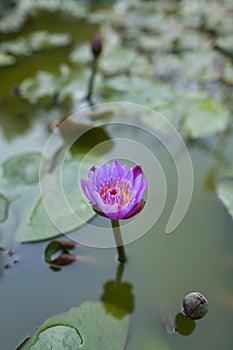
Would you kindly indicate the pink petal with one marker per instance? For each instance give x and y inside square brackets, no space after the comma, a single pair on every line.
[137,170]
[85,188]
[102,174]
[136,209]
[113,173]
[141,190]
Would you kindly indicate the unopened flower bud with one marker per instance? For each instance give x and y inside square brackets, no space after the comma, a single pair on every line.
[96,45]
[195,305]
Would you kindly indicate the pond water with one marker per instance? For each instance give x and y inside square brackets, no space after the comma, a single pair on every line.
[161,268]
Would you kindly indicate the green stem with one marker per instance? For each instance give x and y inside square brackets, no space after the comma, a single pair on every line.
[92,79]
[119,242]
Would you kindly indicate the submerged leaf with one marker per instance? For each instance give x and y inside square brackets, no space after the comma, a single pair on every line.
[85,327]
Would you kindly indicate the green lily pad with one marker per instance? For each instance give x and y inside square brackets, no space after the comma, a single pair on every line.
[141,90]
[85,327]
[3,208]
[23,168]
[6,60]
[19,178]
[225,194]
[18,173]
[65,85]
[117,60]
[13,20]
[81,54]
[36,41]
[44,84]
[57,338]
[203,116]
[16,47]
[205,66]
[45,40]
[194,114]
[62,209]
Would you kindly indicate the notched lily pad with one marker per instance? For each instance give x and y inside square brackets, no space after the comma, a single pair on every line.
[85,327]
[62,209]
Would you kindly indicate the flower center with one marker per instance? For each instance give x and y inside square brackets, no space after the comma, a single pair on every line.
[113,191]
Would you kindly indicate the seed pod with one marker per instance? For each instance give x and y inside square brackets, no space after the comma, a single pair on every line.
[195,305]
[96,45]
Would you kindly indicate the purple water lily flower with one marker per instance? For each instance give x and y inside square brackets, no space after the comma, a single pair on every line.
[115,190]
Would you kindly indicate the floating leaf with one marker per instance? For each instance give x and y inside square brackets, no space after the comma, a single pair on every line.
[85,327]
[22,169]
[57,253]
[18,173]
[67,84]
[16,47]
[65,205]
[194,114]
[117,60]
[203,116]
[45,84]
[6,60]
[81,54]
[3,208]
[206,66]
[140,90]
[35,42]
[57,338]
[184,324]
[225,194]
[44,40]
